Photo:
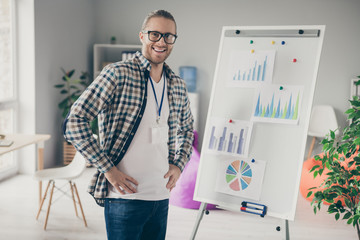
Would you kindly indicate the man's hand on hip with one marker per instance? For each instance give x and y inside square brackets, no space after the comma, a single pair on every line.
[121,181]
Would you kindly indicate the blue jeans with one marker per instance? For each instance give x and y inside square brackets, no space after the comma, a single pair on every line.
[136,219]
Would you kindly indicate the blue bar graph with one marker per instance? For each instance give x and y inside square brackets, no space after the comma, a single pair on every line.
[228,141]
[256,72]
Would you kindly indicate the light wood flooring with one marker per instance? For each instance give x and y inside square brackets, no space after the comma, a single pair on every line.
[19,202]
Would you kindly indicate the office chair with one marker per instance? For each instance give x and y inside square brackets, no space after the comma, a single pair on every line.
[322,120]
[69,173]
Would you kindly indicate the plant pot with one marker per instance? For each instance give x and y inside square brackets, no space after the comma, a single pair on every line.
[69,152]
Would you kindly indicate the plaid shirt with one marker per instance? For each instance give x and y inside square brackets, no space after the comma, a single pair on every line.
[118,97]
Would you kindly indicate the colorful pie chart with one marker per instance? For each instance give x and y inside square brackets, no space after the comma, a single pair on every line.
[238,175]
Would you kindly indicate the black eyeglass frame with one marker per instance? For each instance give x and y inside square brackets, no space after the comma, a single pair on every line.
[162,35]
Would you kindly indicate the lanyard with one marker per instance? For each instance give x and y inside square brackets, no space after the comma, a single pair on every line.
[162,99]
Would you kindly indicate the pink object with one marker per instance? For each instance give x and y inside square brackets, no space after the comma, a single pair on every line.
[182,195]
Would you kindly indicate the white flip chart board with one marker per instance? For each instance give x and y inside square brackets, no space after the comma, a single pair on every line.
[264,83]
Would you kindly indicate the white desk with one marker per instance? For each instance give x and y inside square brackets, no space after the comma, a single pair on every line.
[23,140]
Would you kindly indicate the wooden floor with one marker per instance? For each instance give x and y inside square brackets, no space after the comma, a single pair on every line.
[19,202]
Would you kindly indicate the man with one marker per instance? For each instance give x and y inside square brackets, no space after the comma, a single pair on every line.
[142,109]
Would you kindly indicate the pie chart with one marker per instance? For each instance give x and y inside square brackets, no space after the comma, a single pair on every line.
[238,175]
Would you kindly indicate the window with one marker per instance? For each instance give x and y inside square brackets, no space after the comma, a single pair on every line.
[7,79]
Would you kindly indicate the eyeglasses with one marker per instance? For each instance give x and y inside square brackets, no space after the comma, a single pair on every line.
[155,36]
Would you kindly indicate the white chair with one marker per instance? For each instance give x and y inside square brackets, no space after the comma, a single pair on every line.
[69,172]
[322,120]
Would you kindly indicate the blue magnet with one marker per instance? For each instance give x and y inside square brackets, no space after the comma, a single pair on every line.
[283,43]
[253,160]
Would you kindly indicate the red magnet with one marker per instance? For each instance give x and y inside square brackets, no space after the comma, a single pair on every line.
[294,60]
[230,121]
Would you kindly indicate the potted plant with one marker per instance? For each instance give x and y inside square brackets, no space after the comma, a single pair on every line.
[72,89]
[341,163]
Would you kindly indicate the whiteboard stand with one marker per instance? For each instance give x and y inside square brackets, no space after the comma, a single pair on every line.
[283,58]
[200,215]
[202,210]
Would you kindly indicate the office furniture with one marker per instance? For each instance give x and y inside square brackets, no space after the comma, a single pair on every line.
[322,120]
[110,53]
[23,140]
[69,173]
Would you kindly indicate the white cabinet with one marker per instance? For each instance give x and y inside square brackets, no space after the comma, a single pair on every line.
[109,53]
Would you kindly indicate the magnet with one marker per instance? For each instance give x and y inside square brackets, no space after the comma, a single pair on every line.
[230,121]
[272,42]
[253,160]
[283,43]
[237,31]
[301,31]
[251,41]
[281,88]
[294,60]
[252,50]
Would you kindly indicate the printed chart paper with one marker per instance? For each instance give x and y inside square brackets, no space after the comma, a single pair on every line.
[231,138]
[277,104]
[240,177]
[248,69]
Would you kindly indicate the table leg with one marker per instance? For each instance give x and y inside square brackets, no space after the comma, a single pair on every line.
[40,165]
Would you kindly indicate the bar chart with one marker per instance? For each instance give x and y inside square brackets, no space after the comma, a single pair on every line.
[256,72]
[251,68]
[229,138]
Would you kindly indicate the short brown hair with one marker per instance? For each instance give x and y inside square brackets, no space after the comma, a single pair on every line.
[158,13]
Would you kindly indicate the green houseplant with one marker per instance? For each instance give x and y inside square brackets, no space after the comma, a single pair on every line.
[71,88]
[341,163]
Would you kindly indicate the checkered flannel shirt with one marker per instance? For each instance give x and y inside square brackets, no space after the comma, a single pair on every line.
[118,97]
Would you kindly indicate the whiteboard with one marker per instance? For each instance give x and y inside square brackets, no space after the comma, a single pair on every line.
[280,145]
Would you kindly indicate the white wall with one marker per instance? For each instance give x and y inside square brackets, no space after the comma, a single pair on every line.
[65,31]
[199,27]
[63,38]
[26,79]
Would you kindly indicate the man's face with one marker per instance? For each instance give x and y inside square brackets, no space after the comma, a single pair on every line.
[157,52]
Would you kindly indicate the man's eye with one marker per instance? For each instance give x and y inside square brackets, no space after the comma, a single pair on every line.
[155,34]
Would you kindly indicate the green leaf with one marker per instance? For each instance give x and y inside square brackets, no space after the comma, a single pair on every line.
[314,167]
[309,194]
[347,215]
[332,134]
[337,216]
[349,221]
[350,164]
[351,110]
[70,73]
[348,203]
[63,91]
[59,85]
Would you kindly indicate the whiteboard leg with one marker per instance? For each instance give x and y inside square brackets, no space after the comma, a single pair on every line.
[286,232]
[200,215]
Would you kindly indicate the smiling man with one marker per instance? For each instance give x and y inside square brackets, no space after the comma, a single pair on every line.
[142,109]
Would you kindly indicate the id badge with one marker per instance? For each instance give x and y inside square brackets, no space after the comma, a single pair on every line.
[159,133]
